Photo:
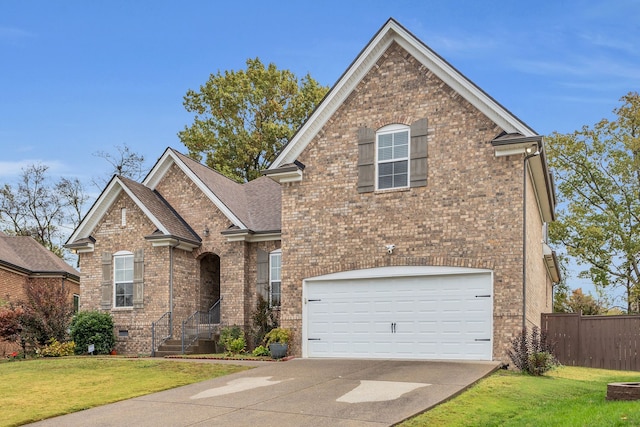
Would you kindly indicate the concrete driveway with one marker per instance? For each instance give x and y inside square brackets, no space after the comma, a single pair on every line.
[309,392]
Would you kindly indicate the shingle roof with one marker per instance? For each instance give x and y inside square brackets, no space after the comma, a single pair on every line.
[161,210]
[25,253]
[256,203]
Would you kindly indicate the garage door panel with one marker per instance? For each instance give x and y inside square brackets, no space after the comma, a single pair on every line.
[426,317]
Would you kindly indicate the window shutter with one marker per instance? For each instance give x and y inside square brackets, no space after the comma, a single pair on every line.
[106,286]
[262,285]
[366,160]
[419,153]
[138,278]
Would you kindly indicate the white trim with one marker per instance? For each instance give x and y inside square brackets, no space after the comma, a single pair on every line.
[162,167]
[173,242]
[122,254]
[392,129]
[396,271]
[247,236]
[284,177]
[277,252]
[393,32]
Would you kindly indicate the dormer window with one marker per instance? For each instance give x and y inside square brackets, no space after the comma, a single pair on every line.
[392,157]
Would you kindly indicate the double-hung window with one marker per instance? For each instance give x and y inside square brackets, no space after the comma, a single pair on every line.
[275,269]
[392,157]
[123,279]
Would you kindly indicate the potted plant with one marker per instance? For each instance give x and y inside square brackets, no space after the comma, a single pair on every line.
[277,341]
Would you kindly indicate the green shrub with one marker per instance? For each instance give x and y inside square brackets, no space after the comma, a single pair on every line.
[232,339]
[58,349]
[93,327]
[533,353]
[260,351]
[279,335]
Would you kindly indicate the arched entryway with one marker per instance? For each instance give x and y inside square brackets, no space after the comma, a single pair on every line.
[209,281]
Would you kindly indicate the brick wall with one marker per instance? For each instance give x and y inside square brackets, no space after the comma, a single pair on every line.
[469,214]
[132,326]
[237,265]
[11,285]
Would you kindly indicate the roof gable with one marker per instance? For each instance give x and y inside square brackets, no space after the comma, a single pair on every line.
[149,202]
[392,32]
[222,191]
[254,205]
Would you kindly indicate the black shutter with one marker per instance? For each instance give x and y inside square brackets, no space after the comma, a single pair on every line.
[366,160]
[138,278]
[106,286]
[419,153]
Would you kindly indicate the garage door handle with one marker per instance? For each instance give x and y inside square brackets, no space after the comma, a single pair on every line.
[483,296]
[313,339]
[393,328]
[483,339]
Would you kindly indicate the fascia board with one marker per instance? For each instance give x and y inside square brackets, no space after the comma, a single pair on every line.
[334,98]
[162,167]
[98,210]
[391,32]
[250,237]
[541,190]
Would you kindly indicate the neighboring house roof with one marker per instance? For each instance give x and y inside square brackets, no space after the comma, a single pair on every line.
[25,254]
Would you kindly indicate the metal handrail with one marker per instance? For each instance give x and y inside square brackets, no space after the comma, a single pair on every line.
[160,331]
[199,325]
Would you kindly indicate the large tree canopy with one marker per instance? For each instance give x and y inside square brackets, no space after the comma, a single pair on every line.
[244,118]
[598,174]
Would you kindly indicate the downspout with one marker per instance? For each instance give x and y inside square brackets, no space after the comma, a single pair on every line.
[171,288]
[524,230]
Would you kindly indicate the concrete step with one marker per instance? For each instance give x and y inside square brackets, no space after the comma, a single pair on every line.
[174,347]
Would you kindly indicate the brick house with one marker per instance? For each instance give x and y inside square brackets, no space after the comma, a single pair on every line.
[405,219]
[23,260]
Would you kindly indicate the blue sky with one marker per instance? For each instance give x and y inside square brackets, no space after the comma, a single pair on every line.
[78,77]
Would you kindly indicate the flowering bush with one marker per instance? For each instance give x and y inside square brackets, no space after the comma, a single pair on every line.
[58,349]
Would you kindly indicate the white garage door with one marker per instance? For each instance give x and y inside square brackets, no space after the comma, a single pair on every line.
[400,313]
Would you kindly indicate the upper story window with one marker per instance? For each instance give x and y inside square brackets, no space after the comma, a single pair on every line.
[275,281]
[123,217]
[123,279]
[392,157]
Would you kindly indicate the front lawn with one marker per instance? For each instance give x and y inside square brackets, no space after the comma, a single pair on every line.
[33,390]
[567,396]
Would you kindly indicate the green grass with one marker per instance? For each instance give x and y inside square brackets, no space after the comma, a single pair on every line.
[33,390]
[567,396]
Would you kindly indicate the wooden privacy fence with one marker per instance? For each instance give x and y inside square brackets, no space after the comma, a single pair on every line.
[608,342]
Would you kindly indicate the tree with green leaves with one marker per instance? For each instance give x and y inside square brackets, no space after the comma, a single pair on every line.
[598,175]
[244,118]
